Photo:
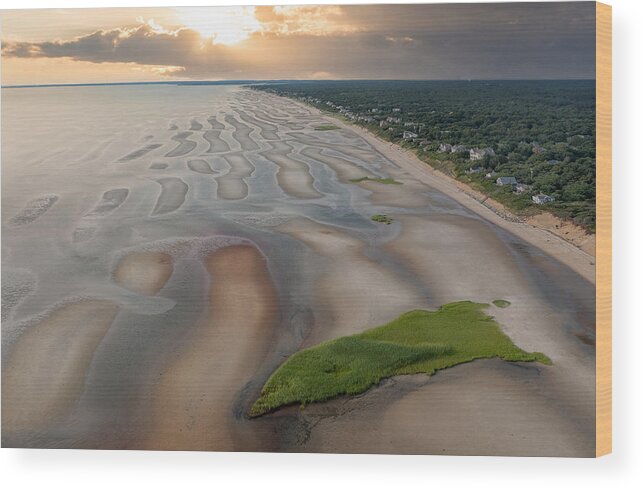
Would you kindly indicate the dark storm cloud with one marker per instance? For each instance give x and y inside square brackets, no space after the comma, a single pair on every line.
[526,40]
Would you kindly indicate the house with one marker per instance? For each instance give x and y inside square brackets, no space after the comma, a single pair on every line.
[478,154]
[491,174]
[458,148]
[383,124]
[409,135]
[504,181]
[476,169]
[393,120]
[521,188]
[444,148]
[397,109]
[541,199]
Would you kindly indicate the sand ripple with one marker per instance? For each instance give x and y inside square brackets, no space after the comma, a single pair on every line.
[200,166]
[232,185]
[242,134]
[34,209]
[185,145]
[110,201]
[140,152]
[217,145]
[173,191]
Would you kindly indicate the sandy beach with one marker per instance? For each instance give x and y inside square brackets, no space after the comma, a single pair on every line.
[175,254]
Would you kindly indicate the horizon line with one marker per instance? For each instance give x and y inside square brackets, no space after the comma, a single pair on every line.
[286,80]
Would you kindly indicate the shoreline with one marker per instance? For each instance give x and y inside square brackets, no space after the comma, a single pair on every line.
[531,230]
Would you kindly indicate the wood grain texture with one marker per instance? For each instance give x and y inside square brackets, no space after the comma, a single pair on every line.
[603,229]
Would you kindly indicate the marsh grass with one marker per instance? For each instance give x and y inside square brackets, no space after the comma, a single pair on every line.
[385,181]
[501,303]
[416,342]
[383,218]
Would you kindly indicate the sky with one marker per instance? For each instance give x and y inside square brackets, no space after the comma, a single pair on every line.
[431,41]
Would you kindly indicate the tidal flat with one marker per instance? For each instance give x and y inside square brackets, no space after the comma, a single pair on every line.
[167,248]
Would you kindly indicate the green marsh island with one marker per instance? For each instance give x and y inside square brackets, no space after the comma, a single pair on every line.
[416,342]
[382,218]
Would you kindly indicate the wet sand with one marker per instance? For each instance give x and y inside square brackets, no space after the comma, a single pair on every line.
[355,292]
[144,272]
[34,209]
[293,176]
[198,390]
[200,166]
[44,372]
[344,169]
[172,195]
[179,296]
[461,411]
[232,185]
[185,145]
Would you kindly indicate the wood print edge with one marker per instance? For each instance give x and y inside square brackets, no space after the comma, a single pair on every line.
[603,229]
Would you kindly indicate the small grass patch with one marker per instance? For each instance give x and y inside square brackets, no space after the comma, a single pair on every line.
[416,342]
[383,218]
[326,127]
[501,303]
[385,181]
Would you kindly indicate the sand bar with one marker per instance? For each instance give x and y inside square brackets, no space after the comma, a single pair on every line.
[144,272]
[195,400]
[45,368]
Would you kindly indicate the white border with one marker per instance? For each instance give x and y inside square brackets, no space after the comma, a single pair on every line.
[104,469]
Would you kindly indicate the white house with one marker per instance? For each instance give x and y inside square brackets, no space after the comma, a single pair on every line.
[478,154]
[541,199]
[458,148]
[521,188]
[409,135]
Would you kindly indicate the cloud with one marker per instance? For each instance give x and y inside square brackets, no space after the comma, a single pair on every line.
[321,75]
[317,20]
[378,41]
[400,40]
[142,44]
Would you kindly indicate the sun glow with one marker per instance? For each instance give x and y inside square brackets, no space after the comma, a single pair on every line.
[223,25]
